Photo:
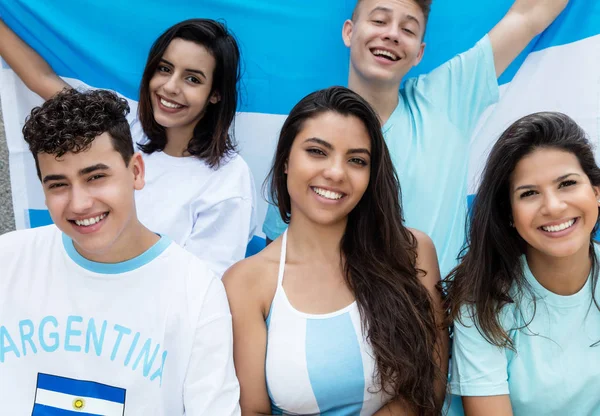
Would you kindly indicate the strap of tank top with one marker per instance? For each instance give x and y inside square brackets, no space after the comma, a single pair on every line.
[282,258]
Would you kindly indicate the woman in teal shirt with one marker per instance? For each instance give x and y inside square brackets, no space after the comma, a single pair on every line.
[524,296]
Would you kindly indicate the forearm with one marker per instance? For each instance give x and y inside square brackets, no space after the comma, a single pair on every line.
[487,406]
[33,70]
[537,15]
[525,20]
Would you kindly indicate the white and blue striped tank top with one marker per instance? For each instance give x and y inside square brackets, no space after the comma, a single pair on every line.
[318,364]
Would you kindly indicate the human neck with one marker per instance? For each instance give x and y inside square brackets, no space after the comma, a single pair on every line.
[131,243]
[315,242]
[178,139]
[561,275]
[383,97]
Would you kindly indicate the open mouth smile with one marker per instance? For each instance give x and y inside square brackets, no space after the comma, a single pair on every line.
[327,194]
[390,56]
[168,104]
[557,228]
[89,223]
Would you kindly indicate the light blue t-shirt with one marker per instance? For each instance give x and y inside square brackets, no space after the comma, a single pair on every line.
[555,369]
[428,137]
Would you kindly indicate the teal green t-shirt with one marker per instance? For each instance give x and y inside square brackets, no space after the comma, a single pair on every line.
[555,368]
[428,137]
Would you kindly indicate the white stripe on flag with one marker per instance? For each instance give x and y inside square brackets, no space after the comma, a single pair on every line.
[66,402]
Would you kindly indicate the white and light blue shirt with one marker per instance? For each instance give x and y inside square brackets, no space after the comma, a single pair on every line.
[318,364]
[428,138]
[554,369]
[148,336]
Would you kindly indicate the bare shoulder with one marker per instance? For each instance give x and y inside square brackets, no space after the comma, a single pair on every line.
[254,279]
[426,259]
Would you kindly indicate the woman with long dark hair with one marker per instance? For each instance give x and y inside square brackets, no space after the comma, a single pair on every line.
[524,296]
[340,313]
[198,190]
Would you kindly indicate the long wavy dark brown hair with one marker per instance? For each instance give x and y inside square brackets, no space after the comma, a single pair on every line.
[490,275]
[380,258]
[212,139]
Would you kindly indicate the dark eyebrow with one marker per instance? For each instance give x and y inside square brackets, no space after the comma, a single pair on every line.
[196,71]
[49,178]
[361,150]
[93,168]
[559,179]
[328,145]
[319,141]
[82,172]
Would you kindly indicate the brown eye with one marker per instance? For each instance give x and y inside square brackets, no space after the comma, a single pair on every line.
[316,152]
[567,183]
[526,194]
[358,161]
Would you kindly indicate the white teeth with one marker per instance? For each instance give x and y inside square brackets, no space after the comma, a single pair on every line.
[90,221]
[327,194]
[169,104]
[381,52]
[559,227]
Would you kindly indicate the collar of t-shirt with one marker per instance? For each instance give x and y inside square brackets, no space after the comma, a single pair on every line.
[116,268]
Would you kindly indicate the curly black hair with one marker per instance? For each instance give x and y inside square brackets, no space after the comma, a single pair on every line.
[71,120]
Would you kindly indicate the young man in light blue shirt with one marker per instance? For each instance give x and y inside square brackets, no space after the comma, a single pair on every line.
[429,123]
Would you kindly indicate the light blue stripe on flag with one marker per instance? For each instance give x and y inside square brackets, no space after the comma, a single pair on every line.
[80,388]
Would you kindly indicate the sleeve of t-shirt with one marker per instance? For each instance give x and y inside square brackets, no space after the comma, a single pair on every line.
[273,226]
[463,87]
[478,367]
[211,386]
[221,233]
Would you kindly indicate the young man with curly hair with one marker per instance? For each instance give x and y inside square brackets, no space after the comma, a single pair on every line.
[97,313]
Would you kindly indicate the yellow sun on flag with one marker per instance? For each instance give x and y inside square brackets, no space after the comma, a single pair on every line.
[78,404]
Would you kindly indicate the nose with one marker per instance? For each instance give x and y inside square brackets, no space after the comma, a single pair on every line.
[335,171]
[81,201]
[554,205]
[392,33]
[171,86]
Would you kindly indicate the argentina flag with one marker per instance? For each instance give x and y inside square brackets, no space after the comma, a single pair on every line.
[289,49]
[61,396]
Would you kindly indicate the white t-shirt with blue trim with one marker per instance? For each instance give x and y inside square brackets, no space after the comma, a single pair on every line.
[148,336]
[555,368]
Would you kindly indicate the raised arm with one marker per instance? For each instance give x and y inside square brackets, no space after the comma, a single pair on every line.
[28,64]
[524,20]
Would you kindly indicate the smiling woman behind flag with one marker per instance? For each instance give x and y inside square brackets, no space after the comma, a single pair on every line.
[188,99]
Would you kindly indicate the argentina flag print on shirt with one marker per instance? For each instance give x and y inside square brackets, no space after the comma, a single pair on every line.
[61,396]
